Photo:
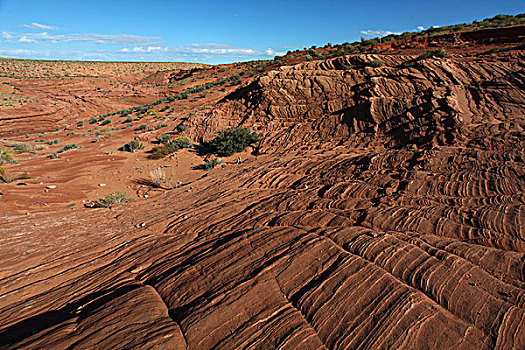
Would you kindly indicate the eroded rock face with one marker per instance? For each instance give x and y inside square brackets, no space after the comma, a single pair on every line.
[386,211]
[346,101]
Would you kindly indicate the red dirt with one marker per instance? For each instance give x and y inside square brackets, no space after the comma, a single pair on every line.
[383,208]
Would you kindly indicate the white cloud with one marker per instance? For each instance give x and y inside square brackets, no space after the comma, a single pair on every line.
[25,39]
[40,26]
[271,52]
[17,52]
[124,47]
[156,49]
[115,39]
[217,49]
[378,33]
[142,49]
[420,28]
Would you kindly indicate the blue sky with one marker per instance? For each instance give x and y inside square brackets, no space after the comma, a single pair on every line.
[214,31]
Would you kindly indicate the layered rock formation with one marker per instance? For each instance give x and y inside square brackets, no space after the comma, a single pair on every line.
[385,210]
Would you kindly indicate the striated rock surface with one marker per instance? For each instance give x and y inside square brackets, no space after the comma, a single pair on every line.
[386,210]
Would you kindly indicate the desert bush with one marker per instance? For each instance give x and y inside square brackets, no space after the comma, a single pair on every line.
[21,147]
[232,140]
[376,63]
[113,198]
[93,120]
[128,120]
[68,147]
[80,123]
[182,142]
[158,126]
[105,122]
[159,179]
[164,138]
[211,163]
[6,156]
[5,179]
[434,53]
[141,127]
[132,146]
[170,147]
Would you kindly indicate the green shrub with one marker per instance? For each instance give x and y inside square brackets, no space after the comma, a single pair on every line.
[141,127]
[93,120]
[128,120]
[159,126]
[170,147]
[211,163]
[376,63]
[6,156]
[113,198]
[21,147]
[132,146]
[105,122]
[180,127]
[182,142]
[68,147]
[164,138]
[434,53]
[232,140]
[80,123]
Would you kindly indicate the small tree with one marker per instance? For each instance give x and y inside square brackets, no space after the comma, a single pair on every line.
[233,140]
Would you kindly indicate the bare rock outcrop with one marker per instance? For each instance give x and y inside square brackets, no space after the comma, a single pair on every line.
[386,210]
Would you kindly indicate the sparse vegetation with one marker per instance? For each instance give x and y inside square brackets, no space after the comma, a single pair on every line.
[164,138]
[170,147]
[212,163]
[376,63]
[5,179]
[433,53]
[159,179]
[113,198]
[6,156]
[68,147]
[21,147]
[132,146]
